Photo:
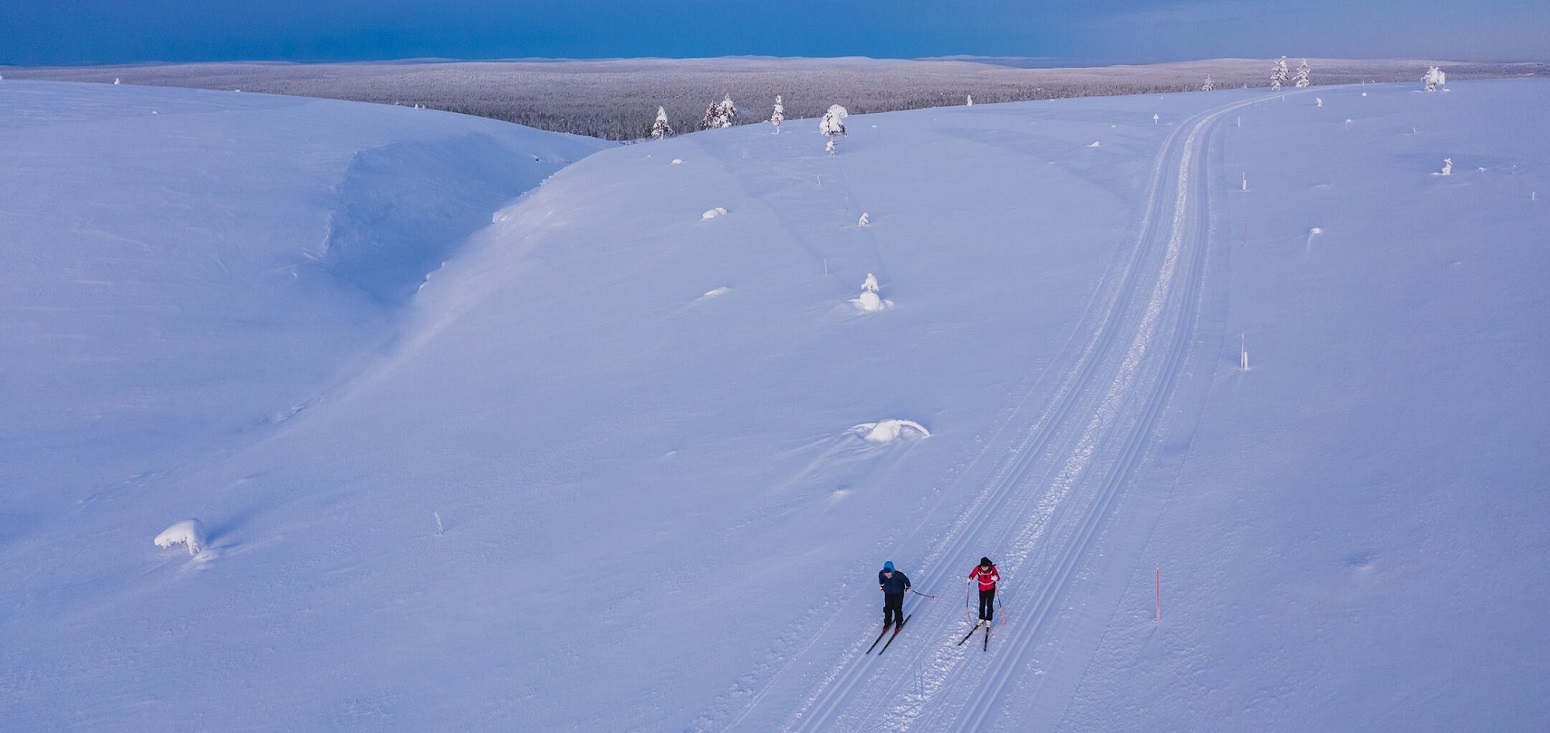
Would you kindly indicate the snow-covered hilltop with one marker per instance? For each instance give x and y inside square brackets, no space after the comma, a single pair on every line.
[321,415]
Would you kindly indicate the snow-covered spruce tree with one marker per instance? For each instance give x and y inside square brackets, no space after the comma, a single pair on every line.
[832,124]
[1302,74]
[1433,78]
[970,102]
[1209,85]
[720,114]
[660,128]
[779,115]
[1279,75]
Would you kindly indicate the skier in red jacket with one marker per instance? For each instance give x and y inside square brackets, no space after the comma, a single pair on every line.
[986,574]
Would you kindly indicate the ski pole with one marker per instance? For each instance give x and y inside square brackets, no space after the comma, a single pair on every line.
[918,593]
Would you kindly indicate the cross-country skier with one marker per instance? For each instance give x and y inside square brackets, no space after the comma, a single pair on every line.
[986,574]
[894,585]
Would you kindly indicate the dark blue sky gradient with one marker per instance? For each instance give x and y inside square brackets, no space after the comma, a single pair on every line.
[71,32]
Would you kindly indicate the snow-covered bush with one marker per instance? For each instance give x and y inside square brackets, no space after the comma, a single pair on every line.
[1209,85]
[864,221]
[779,115]
[970,102]
[1302,74]
[1279,74]
[720,114]
[1434,78]
[714,213]
[660,128]
[189,532]
[833,121]
[833,124]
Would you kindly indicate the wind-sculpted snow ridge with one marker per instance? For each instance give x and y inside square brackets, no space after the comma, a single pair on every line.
[389,229]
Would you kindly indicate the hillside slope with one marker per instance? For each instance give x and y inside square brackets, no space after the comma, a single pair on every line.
[631,457]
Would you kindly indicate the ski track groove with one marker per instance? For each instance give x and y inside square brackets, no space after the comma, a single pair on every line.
[929,668]
[1171,340]
[1017,509]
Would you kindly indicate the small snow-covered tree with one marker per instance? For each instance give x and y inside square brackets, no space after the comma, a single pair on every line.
[1209,85]
[779,114]
[1279,74]
[970,102]
[832,124]
[1302,74]
[720,114]
[870,300]
[661,128]
[190,533]
[1433,78]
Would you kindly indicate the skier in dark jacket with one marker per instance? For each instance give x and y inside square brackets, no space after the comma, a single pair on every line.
[894,585]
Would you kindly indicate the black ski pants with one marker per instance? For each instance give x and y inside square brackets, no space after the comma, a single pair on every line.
[987,604]
[893,609]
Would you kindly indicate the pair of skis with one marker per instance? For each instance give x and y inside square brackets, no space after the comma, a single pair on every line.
[890,638]
[986,645]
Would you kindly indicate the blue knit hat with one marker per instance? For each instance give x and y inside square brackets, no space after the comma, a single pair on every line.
[888,566]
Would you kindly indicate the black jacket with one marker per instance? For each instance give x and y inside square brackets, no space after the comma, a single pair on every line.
[899,583]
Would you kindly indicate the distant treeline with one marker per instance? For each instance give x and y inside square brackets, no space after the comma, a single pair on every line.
[618,99]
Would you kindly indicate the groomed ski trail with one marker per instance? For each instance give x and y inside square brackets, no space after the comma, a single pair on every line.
[1057,480]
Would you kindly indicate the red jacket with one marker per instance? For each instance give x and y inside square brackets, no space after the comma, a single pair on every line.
[987,578]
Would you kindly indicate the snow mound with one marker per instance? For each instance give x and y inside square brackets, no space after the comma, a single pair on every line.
[713,213]
[891,430]
[871,302]
[189,533]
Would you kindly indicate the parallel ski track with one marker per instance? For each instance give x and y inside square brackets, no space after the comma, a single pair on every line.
[1095,420]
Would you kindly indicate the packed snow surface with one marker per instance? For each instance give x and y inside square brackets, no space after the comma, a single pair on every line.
[486,431]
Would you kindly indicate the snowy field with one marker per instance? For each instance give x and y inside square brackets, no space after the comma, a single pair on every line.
[487,428]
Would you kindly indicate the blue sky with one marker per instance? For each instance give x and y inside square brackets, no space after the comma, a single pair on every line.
[41,32]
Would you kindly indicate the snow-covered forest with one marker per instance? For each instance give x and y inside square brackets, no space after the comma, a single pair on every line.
[617,99]
[320,415]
